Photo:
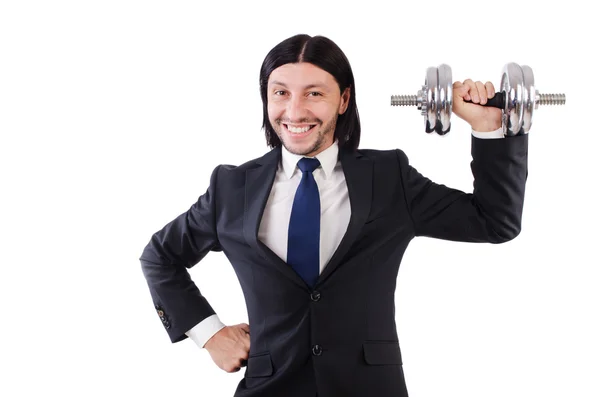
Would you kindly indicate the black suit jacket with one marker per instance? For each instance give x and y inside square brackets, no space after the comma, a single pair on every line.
[338,339]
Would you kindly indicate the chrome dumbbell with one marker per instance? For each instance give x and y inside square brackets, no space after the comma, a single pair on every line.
[518,99]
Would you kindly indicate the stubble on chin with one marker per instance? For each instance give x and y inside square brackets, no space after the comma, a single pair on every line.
[311,149]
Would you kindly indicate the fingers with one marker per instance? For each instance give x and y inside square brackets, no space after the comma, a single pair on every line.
[230,347]
[245,327]
[471,91]
[246,341]
[243,336]
[462,90]
[239,357]
[481,92]
[476,92]
[491,91]
[242,356]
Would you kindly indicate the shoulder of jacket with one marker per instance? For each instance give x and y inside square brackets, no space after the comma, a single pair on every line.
[379,154]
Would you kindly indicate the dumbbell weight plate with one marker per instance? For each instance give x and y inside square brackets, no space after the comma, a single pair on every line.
[431,92]
[529,97]
[444,106]
[438,99]
[512,85]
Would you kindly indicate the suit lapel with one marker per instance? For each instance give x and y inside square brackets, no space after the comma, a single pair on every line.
[259,181]
[358,171]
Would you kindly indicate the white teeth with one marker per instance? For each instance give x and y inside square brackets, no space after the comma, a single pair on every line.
[298,130]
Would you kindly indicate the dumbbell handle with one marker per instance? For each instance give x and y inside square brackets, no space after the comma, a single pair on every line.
[497,101]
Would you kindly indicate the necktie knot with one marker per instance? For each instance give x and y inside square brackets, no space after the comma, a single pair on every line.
[308,164]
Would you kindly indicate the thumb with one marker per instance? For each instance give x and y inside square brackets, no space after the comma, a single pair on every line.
[245,327]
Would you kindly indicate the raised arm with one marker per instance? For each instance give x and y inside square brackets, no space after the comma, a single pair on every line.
[492,211]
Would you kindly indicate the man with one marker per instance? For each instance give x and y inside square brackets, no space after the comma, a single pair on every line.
[316,229]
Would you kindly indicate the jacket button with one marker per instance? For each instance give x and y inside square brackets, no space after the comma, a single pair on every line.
[315,296]
[317,350]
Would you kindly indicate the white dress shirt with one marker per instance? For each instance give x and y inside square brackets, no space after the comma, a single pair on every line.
[335,214]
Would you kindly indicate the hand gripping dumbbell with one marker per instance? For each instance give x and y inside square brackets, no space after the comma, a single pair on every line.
[518,99]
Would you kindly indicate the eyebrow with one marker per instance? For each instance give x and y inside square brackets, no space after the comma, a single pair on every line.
[318,85]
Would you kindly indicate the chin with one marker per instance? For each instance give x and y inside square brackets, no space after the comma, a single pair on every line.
[301,149]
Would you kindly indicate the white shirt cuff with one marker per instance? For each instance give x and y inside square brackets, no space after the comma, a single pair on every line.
[205,330]
[488,135]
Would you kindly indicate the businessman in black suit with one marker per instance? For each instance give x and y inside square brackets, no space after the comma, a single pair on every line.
[316,229]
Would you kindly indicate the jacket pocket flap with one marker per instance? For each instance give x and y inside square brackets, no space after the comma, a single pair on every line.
[259,365]
[382,353]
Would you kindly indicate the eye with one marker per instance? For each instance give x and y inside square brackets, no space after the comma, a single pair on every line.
[279,92]
[314,93]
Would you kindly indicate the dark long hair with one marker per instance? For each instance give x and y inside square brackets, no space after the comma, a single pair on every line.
[325,54]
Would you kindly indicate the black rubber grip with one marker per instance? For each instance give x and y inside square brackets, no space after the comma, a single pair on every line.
[497,101]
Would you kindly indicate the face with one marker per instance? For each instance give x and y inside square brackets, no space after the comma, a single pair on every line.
[304,102]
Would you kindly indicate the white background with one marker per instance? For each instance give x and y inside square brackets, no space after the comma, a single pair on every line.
[114,113]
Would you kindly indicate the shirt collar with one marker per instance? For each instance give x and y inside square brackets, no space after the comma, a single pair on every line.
[328,159]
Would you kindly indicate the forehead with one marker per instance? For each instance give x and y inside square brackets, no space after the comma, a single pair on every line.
[301,74]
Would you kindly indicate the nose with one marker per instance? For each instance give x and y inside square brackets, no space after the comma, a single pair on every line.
[296,109]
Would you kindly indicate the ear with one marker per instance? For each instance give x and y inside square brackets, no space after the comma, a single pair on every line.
[344,101]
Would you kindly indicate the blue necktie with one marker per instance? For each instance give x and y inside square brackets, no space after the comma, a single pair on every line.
[305,225]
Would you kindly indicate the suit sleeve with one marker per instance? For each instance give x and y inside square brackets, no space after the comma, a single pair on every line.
[170,253]
[491,213]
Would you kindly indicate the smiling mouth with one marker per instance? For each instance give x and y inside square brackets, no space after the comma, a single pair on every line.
[300,130]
